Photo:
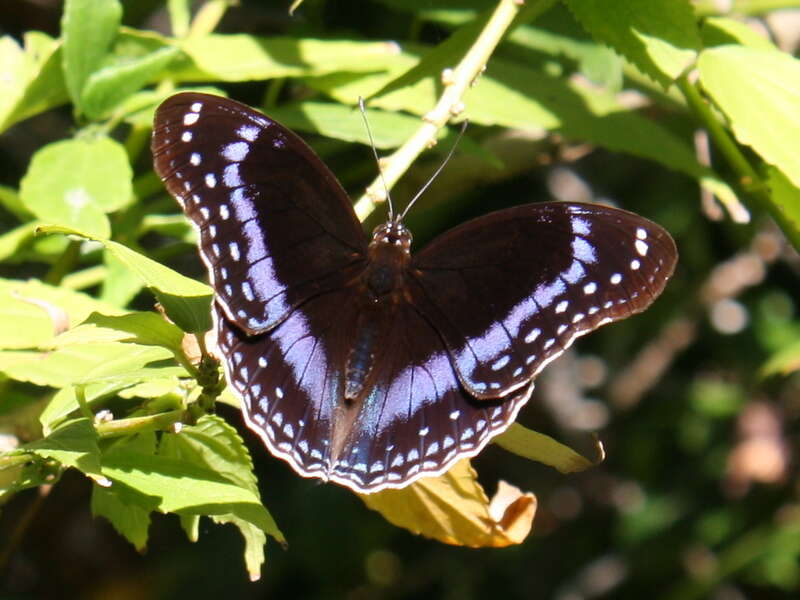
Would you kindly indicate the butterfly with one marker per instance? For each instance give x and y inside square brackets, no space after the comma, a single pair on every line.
[356,361]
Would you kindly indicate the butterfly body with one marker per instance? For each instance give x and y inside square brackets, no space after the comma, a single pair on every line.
[358,361]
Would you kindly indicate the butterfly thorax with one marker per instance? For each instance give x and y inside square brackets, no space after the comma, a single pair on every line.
[388,256]
[381,289]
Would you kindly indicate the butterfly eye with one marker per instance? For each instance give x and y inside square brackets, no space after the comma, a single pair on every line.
[366,366]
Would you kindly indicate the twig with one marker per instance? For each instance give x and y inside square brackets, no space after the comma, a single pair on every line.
[456,83]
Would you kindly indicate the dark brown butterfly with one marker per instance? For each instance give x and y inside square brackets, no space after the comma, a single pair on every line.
[356,361]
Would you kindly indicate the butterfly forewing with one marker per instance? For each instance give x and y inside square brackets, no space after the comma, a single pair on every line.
[275,226]
[510,291]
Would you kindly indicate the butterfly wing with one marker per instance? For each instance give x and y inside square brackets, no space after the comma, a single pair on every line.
[275,226]
[416,421]
[509,292]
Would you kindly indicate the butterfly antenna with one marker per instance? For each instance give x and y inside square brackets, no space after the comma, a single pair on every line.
[436,173]
[362,107]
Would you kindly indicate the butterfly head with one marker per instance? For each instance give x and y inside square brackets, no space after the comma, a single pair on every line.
[392,233]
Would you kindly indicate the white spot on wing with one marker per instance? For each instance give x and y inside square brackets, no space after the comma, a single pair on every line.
[190,118]
[236,152]
[231,177]
[501,362]
[248,132]
[234,250]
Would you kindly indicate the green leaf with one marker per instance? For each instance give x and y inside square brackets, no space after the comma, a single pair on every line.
[74,444]
[436,59]
[599,63]
[9,199]
[64,401]
[541,448]
[783,362]
[12,241]
[720,31]
[32,313]
[214,444]
[106,88]
[389,129]
[179,16]
[177,485]
[240,57]
[143,328]
[32,80]
[169,382]
[88,28]
[127,509]
[658,36]
[129,519]
[75,182]
[785,197]
[759,92]
[120,285]
[77,364]
[254,541]
[512,95]
[187,302]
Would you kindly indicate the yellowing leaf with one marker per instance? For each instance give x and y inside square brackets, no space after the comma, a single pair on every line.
[454,509]
[544,449]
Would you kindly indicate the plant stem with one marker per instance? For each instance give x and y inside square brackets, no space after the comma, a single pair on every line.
[208,17]
[448,106]
[159,422]
[12,461]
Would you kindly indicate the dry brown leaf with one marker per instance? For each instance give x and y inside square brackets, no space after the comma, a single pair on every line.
[454,509]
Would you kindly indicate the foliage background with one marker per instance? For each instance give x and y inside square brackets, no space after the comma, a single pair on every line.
[698,496]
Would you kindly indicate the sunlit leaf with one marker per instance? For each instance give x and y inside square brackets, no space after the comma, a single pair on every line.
[658,36]
[454,509]
[30,312]
[88,27]
[75,182]
[544,449]
[31,78]
[187,302]
[739,79]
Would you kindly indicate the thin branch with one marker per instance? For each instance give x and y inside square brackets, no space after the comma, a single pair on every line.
[456,83]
